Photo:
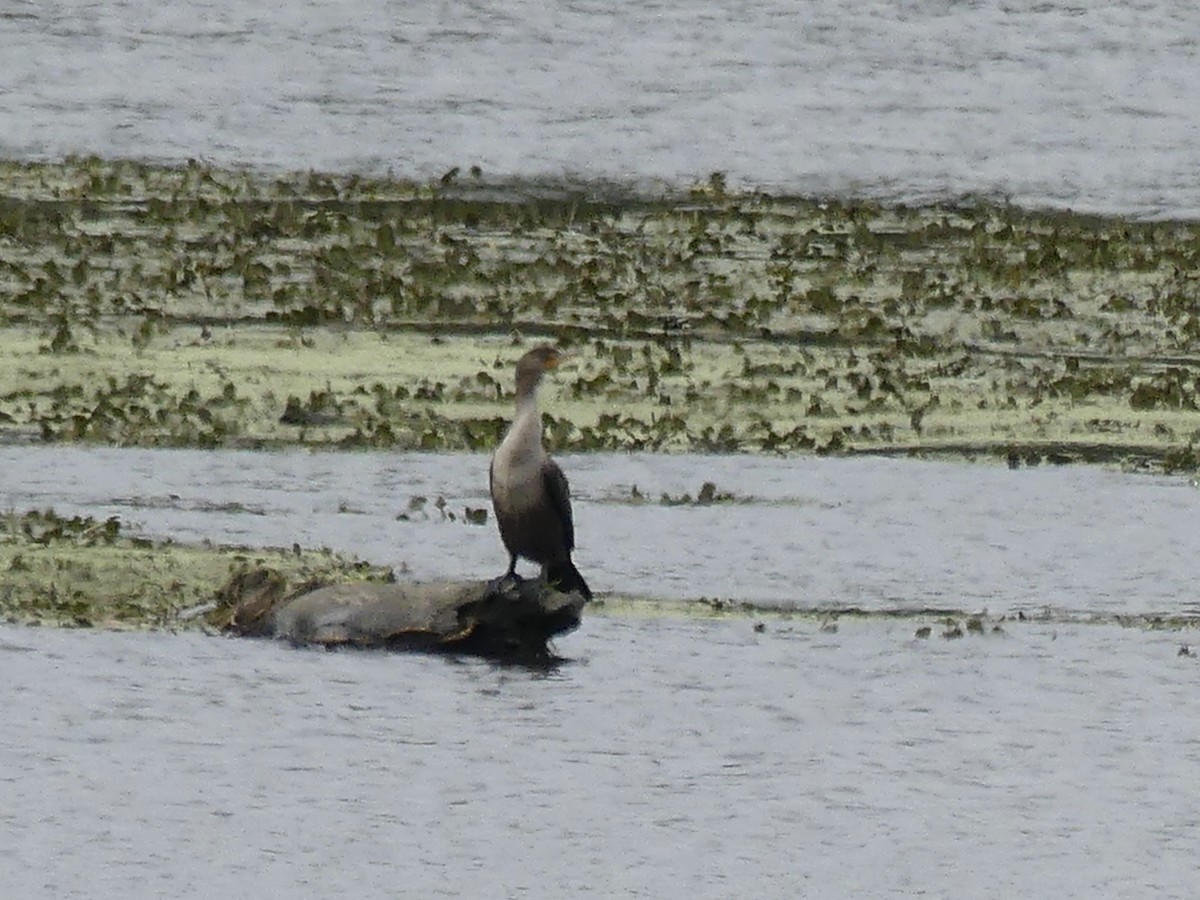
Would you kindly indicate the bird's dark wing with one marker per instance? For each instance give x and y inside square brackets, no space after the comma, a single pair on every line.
[559,495]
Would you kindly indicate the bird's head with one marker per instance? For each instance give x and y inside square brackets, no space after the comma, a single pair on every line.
[537,362]
[544,357]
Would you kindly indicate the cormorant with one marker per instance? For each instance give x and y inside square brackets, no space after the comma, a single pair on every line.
[529,490]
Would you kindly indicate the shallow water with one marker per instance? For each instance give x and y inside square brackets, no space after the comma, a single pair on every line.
[803,532]
[671,758]
[668,756]
[1049,104]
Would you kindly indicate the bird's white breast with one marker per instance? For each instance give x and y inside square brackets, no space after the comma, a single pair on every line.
[517,465]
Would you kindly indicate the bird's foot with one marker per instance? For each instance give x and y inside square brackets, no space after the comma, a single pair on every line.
[506,582]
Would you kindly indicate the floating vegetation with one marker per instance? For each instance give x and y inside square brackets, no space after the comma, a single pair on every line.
[193,306]
[706,496]
[950,624]
[85,572]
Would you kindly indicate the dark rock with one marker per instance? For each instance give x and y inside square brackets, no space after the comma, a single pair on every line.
[509,619]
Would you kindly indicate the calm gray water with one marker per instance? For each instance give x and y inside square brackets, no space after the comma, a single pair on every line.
[1087,106]
[804,532]
[673,759]
[668,757]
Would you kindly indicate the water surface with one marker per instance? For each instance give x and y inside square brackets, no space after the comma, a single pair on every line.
[1090,107]
[667,757]
[671,759]
[802,532]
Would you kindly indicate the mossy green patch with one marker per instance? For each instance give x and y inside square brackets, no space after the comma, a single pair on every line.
[203,307]
[82,572]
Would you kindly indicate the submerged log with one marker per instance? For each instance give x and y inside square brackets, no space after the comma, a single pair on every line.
[512,619]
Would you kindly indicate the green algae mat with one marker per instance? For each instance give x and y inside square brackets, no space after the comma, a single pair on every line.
[81,572]
[192,306]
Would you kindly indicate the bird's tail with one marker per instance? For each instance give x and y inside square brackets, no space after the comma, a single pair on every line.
[565,577]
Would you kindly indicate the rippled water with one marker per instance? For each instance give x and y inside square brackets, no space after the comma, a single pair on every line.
[667,757]
[672,759]
[802,532]
[1091,107]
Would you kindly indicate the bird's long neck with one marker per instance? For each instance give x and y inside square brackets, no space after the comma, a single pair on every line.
[526,432]
[527,388]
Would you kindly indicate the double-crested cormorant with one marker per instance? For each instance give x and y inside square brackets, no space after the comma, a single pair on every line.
[529,490]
